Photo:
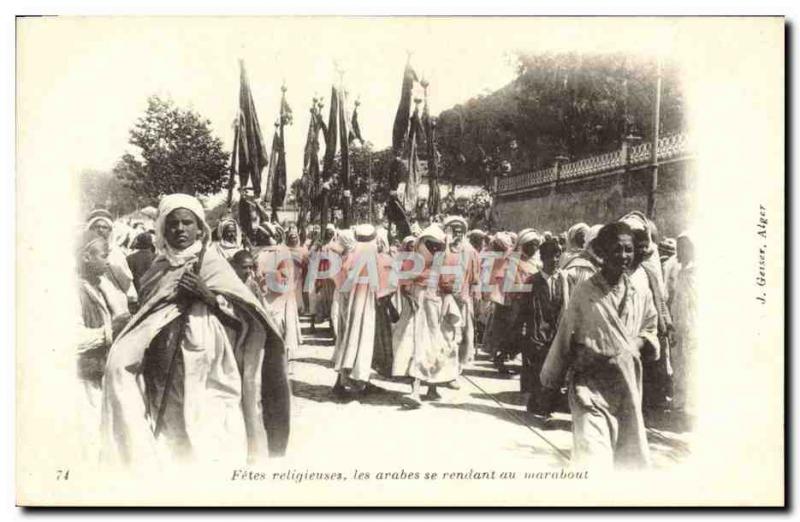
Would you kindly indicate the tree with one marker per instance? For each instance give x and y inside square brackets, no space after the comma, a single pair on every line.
[565,103]
[178,153]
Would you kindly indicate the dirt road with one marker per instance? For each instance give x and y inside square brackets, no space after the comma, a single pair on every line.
[384,428]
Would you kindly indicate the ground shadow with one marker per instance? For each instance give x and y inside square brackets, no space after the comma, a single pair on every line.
[514,416]
[506,397]
[377,396]
[325,363]
[319,333]
[488,373]
[324,341]
[518,418]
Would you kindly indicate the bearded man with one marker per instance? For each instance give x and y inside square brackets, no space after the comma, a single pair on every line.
[461,274]
[230,238]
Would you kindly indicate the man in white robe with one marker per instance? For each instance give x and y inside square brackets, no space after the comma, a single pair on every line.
[198,375]
[103,313]
[100,223]
[585,263]
[608,323]
[275,276]
[684,314]
[230,237]
[426,339]
[645,271]
[355,344]
[461,279]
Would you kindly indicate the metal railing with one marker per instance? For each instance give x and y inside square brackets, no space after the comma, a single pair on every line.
[671,147]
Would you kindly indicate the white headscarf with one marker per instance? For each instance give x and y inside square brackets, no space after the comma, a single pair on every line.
[99,219]
[455,220]
[502,241]
[346,239]
[434,232]
[365,232]
[639,222]
[526,236]
[408,242]
[591,234]
[573,232]
[165,207]
[221,227]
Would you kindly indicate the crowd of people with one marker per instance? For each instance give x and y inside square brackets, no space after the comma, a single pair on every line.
[189,333]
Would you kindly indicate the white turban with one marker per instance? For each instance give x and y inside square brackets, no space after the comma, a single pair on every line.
[639,223]
[365,232]
[528,235]
[221,228]
[174,202]
[502,241]
[636,220]
[591,235]
[574,231]
[434,232]
[346,239]
[449,221]
[99,219]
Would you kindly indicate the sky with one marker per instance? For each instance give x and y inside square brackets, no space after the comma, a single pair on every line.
[84,81]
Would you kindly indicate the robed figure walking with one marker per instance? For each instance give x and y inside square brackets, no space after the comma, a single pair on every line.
[198,375]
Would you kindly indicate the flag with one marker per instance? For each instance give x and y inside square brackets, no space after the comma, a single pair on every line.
[311,156]
[232,170]
[279,175]
[250,144]
[286,112]
[331,136]
[401,118]
[273,161]
[415,135]
[331,132]
[355,131]
[434,196]
[344,143]
[397,216]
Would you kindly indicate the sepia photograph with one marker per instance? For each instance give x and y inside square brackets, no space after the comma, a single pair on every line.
[400,261]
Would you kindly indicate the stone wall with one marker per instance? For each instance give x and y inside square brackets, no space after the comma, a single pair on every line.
[602,198]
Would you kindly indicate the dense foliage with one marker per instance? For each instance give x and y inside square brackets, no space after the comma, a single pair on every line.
[177,153]
[559,104]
